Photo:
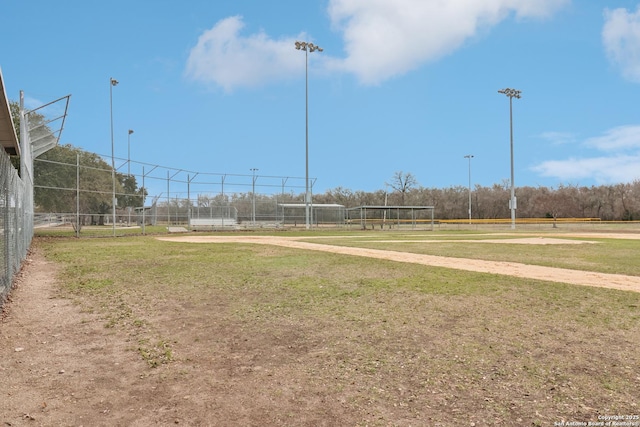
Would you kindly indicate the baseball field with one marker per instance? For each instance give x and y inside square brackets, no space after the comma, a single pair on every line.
[349,328]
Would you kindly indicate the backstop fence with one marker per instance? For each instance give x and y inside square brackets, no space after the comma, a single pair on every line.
[78,190]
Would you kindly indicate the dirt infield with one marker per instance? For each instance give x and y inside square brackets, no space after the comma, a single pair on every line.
[575,277]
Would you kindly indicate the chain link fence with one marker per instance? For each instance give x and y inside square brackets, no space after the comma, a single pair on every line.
[77,193]
[15,223]
[37,134]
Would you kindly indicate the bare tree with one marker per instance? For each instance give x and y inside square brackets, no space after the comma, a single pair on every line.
[550,203]
[342,196]
[621,209]
[403,183]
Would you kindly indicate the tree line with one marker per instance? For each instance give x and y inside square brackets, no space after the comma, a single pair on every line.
[65,172]
[616,202]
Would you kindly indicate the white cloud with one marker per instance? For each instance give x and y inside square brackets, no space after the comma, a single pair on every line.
[604,170]
[618,138]
[559,138]
[382,39]
[622,164]
[224,57]
[621,38]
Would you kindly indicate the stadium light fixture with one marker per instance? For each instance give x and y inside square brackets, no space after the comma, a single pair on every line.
[511,93]
[307,47]
[469,156]
[112,82]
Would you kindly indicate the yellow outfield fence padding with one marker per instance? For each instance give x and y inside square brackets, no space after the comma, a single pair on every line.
[518,220]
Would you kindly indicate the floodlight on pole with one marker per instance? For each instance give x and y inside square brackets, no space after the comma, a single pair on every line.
[511,93]
[112,82]
[129,152]
[469,156]
[307,47]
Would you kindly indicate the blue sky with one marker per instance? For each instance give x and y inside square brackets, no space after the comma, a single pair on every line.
[404,85]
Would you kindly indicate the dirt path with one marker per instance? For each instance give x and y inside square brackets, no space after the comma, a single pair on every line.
[59,365]
[576,277]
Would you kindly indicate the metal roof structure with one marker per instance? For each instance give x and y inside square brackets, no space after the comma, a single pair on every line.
[42,137]
[314,205]
[8,136]
[394,207]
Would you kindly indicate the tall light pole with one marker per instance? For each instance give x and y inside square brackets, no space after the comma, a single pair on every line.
[511,93]
[469,156]
[307,47]
[253,197]
[129,170]
[112,82]
[129,152]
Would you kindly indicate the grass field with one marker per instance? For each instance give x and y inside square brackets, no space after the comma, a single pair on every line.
[265,335]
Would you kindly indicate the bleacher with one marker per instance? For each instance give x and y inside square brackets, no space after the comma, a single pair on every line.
[210,223]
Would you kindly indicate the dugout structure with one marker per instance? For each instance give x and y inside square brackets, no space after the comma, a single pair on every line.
[387,217]
[320,214]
